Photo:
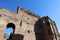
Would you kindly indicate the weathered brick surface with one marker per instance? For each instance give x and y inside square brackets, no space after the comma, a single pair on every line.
[28,26]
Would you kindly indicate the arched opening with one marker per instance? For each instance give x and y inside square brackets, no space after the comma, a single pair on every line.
[9,31]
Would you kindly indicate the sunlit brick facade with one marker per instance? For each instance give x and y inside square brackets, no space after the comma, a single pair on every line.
[27,26]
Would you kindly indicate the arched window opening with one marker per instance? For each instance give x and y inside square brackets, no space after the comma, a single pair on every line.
[21,23]
[9,31]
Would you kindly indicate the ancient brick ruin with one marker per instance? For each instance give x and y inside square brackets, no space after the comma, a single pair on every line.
[27,26]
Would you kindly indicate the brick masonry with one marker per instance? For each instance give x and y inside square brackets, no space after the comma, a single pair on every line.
[27,25]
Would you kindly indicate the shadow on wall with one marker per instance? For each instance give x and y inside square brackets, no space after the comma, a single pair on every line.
[38,29]
[42,30]
[17,37]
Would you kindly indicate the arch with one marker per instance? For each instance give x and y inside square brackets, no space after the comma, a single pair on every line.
[9,26]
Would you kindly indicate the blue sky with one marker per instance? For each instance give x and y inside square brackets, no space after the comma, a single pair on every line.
[8,31]
[49,8]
